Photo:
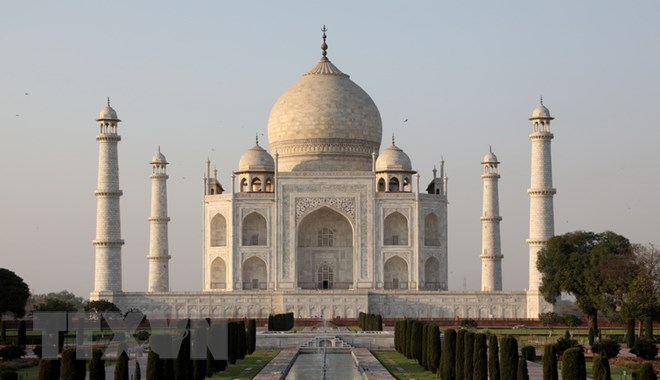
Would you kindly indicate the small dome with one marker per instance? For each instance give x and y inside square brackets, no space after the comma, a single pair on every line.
[541,112]
[393,159]
[490,158]
[158,158]
[108,113]
[256,159]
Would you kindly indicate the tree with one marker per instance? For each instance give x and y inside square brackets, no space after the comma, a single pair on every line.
[460,353]
[549,320]
[647,372]
[61,301]
[509,358]
[21,333]
[70,367]
[448,357]
[121,367]
[434,357]
[493,358]
[49,369]
[468,344]
[97,366]
[523,373]
[601,370]
[573,365]
[590,266]
[154,366]
[550,363]
[480,357]
[641,299]
[137,375]
[14,294]
[251,336]
[101,306]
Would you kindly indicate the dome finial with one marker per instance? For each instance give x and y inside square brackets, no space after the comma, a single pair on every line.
[541,99]
[256,137]
[108,101]
[324,46]
[392,139]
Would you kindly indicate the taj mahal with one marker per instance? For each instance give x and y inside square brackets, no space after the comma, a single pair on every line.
[323,223]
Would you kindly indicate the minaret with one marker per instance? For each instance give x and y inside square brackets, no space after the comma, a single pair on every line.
[541,193]
[158,251]
[108,242]
[491,252]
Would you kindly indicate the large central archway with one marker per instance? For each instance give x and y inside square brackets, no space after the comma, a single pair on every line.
[325,243]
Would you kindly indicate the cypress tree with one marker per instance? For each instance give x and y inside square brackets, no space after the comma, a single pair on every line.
[529,353]
[509,358]
[182,364]
[21,333]
[49,370]
[361,317]
[468,360]
[137,375]
[121,367]
[397,335]
[448,357]
[601,370]
[646,372]
[199,369]
[70,368]
[379,322]
[550,363]
[167,368]
[480,357]
[434,357]
[251,336]
[153,366]
[573,365]
[460,354]
[232,333]
[425,346]
[242,341]
[493,358]
[97,366]
[523,373]
[418,328]
[409,338]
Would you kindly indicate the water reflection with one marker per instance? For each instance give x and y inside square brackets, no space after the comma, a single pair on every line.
[339,366]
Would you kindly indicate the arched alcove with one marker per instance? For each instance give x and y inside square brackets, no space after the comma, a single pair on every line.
[218,274]
[254,274]
[432,274]
[325,237]
[395,229]
[254,230]
[431,230]
[395,273]
[218,231]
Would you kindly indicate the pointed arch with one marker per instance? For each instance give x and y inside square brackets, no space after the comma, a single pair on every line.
[431,230]
[269,185]
[218,274]
[218,231]
[255,186]
[394,185]
[395,273]
[395,229]
[381,185]
[254,230]
[254,274]
[244,186]
[432,274]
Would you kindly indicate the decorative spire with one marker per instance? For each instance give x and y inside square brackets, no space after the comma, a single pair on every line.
[158,148]
[324,46]
[256,137]
[541,99]
[490,148]
[392,139]
[108,101]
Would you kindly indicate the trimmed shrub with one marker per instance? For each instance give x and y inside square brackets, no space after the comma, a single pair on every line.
[608,348]
[251,336]
[142,335]
[460,353]
[645,348]
[480,357]
[199,369]
[523,373]
[182,364]
[11,352]
[281,322]
[601,369]
[232,334]
[469,323]
[21,338]
[564,344]
[97,366]
[529,353]
[468,344]
[409,339]
[137,375]
[434,348]
[646,372]
[70,368]
[425,346]
[550,362]
[49,370]
[509,358]
[121,367]
[630,332]
[493,358]
[9,375]
[573,365]
[448,357]
[153,366]
[242,341]
[417,340]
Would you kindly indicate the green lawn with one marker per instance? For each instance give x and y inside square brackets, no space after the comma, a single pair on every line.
[247,368]
[401,367]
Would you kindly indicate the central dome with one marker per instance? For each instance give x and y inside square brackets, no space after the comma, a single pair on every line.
[324,122]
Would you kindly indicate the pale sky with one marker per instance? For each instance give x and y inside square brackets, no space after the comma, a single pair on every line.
[199,79]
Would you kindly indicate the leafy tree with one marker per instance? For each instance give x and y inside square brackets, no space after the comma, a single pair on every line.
[608,348]
[12,352]
[49,370]
[121,367]
[97,366]
[14,294]
[645,349]
[573,365]
[590,266]
[493,358]
[601,369]
[448,357]
[508,358]
[550,363]
[550,320]
[101,306]
[480,357]
[571,320]
[564,343]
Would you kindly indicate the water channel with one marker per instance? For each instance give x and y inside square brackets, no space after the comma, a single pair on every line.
[320,366]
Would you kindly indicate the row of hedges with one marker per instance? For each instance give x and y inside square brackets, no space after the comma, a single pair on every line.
[370,322]
[280,322]
[418,340]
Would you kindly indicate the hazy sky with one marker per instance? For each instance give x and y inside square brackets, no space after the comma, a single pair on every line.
[199,79]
